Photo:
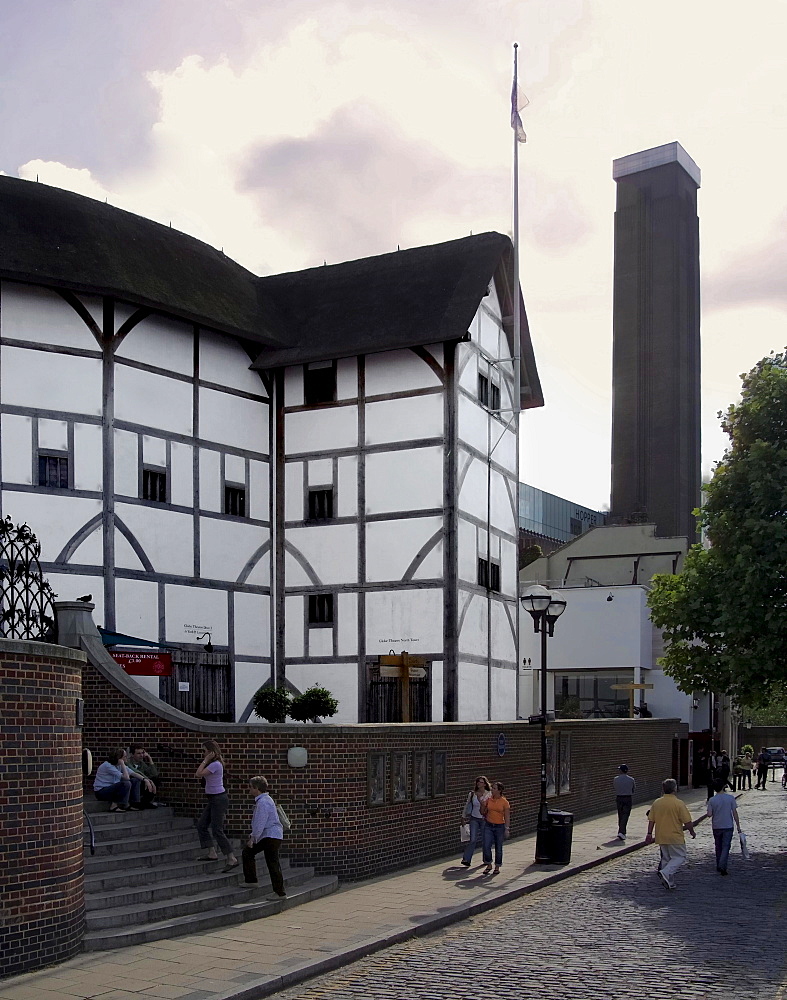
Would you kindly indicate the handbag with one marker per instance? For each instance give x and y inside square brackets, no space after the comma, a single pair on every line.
[464,833]
[745,848]
[284,819]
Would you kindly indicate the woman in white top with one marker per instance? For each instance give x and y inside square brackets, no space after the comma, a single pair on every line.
[210,825]
[473,815]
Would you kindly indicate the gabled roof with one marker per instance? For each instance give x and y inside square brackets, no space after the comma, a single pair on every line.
[54,237]
[409,298]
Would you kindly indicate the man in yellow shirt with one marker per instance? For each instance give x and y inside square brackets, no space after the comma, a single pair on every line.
[670,817]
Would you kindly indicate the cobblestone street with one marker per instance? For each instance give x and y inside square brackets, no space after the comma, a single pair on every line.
[613,932]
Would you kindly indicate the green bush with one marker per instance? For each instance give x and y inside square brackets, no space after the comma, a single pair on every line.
[315,702]
[272,704]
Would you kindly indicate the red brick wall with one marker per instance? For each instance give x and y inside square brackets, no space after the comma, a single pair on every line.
[40,806]
[334,827]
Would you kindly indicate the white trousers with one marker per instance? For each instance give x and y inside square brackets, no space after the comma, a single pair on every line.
[672,857]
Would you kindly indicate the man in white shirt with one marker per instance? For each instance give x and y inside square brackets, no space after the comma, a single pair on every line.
[267,835]
[624,786]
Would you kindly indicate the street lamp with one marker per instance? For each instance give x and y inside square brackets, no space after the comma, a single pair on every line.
[545,609]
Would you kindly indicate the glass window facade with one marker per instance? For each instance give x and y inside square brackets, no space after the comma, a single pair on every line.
[588,694]
[551,516]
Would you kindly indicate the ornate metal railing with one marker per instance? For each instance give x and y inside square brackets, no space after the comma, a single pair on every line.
[26,608]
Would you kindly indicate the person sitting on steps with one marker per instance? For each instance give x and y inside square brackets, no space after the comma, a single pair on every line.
[142,769]
[113,783]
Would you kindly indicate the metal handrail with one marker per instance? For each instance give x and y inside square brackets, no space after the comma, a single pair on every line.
[92,832]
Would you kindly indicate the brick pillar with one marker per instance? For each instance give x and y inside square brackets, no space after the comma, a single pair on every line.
[41,875]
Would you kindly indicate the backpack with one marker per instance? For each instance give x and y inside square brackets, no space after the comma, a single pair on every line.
[284,819]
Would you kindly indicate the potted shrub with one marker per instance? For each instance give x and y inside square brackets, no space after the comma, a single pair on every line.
[272,704]
[315,702]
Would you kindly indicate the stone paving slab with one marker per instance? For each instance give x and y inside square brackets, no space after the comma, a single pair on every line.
[255,959]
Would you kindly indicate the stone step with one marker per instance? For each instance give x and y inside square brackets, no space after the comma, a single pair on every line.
[93,807]
[135,823]
[222,916]
[184,871]
[124,841]
[124,894]
[103,862]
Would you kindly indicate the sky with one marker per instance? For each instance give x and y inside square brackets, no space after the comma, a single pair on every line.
[294,133]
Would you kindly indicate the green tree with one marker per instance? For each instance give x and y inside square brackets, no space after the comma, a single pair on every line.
[725,616]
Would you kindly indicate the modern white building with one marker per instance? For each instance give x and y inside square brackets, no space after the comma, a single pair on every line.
[304,471]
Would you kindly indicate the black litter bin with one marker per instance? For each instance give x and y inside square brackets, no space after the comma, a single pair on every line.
[553,842]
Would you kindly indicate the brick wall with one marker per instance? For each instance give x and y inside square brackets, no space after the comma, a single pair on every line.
[334,826]
[763,736]
[40,806]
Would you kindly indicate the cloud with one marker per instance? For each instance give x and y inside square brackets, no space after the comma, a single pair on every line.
[755,276]
[77,179]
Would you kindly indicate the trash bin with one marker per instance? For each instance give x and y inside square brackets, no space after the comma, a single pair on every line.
[553,840]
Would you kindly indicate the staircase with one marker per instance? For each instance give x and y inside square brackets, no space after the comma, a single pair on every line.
[144,882]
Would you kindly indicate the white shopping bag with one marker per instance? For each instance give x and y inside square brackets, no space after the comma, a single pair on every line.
[464,833]
[745,848]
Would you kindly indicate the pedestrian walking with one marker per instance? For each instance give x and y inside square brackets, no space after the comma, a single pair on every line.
[267,835]
[714,760]
[471,814]
[746,766]
[210,825]
[763,763]
[497,828]
[669,817]
[722,775]
[723,811]
[624,786]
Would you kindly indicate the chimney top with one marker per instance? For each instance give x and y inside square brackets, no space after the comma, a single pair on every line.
[672,152]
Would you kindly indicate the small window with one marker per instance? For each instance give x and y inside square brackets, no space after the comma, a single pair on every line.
[494,397]
[321,504]
[235,501]
[154,486]
[483,390]
[319,383]
[489,575]
[576,526]
[321,609]
[483,573]
[53,471]
[494,577]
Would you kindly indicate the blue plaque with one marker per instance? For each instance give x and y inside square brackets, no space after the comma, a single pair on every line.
[501,744]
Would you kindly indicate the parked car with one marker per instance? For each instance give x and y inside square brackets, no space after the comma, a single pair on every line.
[778,755]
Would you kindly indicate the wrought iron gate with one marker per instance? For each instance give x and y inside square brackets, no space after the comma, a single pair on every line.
[384,699]
[210,685]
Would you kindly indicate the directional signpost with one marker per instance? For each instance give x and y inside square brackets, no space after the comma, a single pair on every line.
[406,668]
[631,688]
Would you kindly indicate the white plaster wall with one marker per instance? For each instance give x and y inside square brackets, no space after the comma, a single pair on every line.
[17,450]
[191,611]
[260,575]
[53,385]
[154,450]
[391,546]
[90,552]
[152,400]
[161,342]
[294,612]
[293,492]
[226,546]
[473,694]
[166,536]
[432,567]
[249,677]
[411,479]
[347,490]
[665,701]
[210,480]
[234,469]
[294,573]
[332,551]
[136,604]
[125,555]
[437,690]
[467,555]
[320,642]
[40,316]
[252,625]
[54,517]
[404,419]
[467,366]
[233,420]
[503,694]
[397,371]
[182,478]
[346,378]
[126,464]
[472,424]
[258,504]
[472,496]
[88,457]
[347,624]
[341,679]
[488,334]
[293,386]
[53,434]
[223,360]
[69,586]
[473,635]
[320,472]
[503,639]
[404,619]
[331,427]
[508,568]
[503,516]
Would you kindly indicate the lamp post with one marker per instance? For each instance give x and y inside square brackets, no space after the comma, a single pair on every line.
[545,609]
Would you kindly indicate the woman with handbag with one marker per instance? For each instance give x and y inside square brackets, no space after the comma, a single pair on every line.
[473,816]
[210,825]
[267,834]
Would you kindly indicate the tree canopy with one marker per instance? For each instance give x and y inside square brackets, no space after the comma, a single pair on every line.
[725,616]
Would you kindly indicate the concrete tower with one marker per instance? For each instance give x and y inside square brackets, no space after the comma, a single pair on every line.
[656,341]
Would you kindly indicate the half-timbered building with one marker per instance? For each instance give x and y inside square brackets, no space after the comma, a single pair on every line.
[301,471]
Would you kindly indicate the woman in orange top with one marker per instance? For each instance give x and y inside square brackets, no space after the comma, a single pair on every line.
[497,813]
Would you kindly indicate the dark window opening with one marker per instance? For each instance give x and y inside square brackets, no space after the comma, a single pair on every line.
[576,526]
[321,504]
[154,486]
[53,471]
[489,575]
[321,609]
[235,501]
[494,397]
[483,390]
[319,383]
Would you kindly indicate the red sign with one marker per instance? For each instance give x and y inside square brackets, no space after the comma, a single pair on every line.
[145,664]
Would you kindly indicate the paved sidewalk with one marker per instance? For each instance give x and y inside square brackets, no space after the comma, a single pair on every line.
[261,957]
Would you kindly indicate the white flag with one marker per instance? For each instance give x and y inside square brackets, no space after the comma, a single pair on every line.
[518,101]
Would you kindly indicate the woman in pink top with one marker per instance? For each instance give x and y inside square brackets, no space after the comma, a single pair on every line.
[211,823]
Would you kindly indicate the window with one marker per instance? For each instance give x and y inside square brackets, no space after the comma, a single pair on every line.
[576,526]
[53,471]
[494,397]
[319,383]
[154,485]
[483,390]
[321,609]
[321,504]
[489,575]
[235,501]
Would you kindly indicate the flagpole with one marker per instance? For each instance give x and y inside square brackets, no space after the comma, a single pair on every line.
[517,331]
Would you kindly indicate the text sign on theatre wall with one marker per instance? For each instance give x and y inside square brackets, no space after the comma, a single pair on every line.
[145,664]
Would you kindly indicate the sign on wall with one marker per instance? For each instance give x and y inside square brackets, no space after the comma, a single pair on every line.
[145,664]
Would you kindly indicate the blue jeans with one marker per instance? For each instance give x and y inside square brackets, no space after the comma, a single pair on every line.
[476,838]
[723,839]
[494,833]
[119,792]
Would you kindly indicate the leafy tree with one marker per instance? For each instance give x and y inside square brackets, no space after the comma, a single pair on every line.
[315,702]
[725,616]
[272,704]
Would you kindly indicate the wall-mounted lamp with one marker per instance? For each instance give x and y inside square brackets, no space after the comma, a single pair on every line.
[695,703]
[208,644]
[610,598]
[297,757]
